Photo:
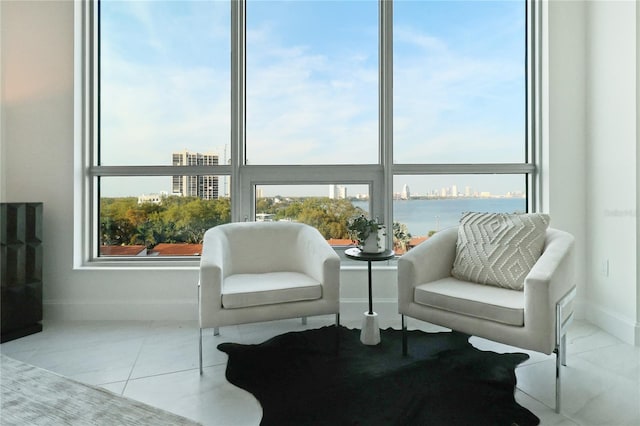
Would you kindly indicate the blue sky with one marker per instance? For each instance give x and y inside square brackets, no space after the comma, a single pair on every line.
[312,84]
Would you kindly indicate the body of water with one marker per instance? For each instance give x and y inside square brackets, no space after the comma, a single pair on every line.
[422,216]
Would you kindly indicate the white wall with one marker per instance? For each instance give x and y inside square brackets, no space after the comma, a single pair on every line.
[563,120]
[37,164]
[612,181]
[589,152]
[637,337]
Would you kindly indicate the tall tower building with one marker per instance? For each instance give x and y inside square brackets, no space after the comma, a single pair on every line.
[342,192]
[204,186]
[406,193]
[337,192]
[333,190]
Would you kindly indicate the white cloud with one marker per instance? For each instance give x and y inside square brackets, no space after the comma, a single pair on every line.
[304,106]
[418,39]
[150,111]
[452,106]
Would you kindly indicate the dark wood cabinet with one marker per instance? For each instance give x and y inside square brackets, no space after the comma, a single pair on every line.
[21,269]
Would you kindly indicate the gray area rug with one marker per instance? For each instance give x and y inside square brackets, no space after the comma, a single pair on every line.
[33,396]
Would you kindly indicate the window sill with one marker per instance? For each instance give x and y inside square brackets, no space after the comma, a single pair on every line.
[191,265]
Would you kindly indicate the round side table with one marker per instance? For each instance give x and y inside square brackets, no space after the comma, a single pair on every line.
[370,333]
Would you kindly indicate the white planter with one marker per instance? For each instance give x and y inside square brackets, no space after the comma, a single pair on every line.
[375,243]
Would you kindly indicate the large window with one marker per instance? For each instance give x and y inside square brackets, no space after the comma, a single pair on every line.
[202,112]
[459,81]
[312,82]
[459,111]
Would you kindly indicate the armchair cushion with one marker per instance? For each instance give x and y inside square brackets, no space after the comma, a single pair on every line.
[244,290]
[499,249]
[470,299]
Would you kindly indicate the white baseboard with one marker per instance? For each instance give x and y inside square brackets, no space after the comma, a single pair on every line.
[623,328]
[351,310]
[181,310]
[178,310]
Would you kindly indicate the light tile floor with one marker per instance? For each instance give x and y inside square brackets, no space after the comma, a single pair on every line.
[157,362]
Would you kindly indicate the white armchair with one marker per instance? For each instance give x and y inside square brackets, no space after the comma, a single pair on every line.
[262,271]
[535,318]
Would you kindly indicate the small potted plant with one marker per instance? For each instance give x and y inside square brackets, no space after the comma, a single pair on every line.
[367,234]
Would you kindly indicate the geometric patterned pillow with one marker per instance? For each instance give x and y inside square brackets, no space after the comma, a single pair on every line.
[499,249]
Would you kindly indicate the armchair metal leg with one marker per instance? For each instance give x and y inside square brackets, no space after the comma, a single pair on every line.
[304,320]
[561,360]
[562,325]
[563,350]
[216,331]
[200,331]
[404,336]
[558,387]
[200,351]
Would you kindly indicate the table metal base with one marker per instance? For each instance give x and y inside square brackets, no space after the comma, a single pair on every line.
[370,333]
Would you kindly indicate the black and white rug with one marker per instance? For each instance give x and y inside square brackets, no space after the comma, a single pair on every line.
[300,379]
[33,396]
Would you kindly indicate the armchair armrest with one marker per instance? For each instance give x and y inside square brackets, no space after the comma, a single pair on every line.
[319,260]
[430,261]
[212,264]
[550,279]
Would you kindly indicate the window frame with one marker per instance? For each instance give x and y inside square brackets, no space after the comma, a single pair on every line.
[244,177]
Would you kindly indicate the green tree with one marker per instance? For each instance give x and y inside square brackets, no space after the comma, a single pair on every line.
[175,220]
[191,219]
[401,235]
[186,219]
[115,231]
[116,227]
[329,216]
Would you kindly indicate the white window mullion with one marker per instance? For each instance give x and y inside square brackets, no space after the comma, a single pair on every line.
[385,194]
[534,101]
[93,131]
[83,111]
[238,108]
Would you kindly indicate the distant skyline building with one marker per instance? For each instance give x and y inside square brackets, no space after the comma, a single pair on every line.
[201,186]
[453,190]
[338,192]
[406,193]
[342,192]
[152,198]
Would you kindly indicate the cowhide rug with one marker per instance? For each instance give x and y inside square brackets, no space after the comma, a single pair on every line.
[300,379]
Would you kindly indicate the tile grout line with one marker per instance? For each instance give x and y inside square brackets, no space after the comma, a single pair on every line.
[195,369]
[144,340]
